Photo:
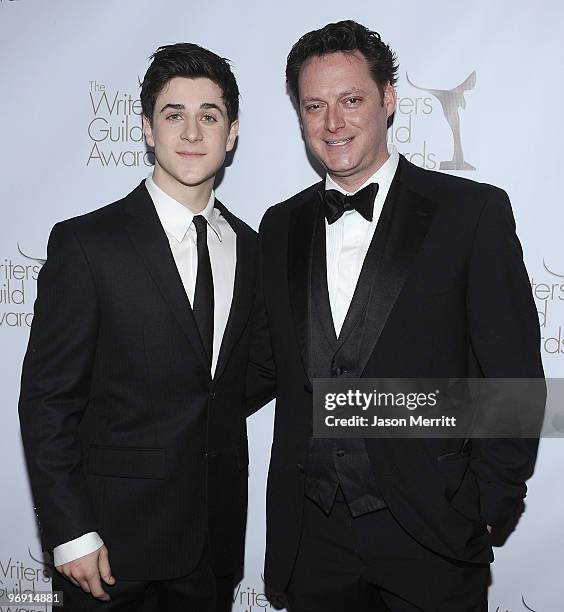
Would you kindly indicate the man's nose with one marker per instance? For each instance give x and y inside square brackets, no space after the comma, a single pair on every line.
[192,130]
[334,119]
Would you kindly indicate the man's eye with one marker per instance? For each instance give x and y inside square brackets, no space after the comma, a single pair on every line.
[353,100]
[312,107]
[209,118]
[174,117]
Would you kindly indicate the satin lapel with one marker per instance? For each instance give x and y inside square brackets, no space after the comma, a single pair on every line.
[243,289]
[399,236]
[301,235]
[151,243]
[362,290]
[319,296]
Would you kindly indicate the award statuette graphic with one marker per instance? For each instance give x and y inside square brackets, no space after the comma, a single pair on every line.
[451,100]
[39,261]
[550,271]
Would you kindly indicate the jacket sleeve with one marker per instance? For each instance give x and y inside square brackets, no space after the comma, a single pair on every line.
[55,388]
[505,340]
[261,370]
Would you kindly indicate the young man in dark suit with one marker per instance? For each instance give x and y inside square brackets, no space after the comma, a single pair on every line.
[132,390]
[391,271]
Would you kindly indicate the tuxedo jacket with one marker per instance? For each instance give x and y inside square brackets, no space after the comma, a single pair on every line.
[449,297]
[125,432]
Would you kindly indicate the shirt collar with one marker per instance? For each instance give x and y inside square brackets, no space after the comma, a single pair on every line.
[383,176]
[177,218]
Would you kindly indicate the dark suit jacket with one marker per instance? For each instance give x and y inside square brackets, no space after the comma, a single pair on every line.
[125,432]
[450,298]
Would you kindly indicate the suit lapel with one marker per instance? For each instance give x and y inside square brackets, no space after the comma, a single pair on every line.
[399,235]
[368,276]
[301,232]
[151,243]
[243,289]
[319,295]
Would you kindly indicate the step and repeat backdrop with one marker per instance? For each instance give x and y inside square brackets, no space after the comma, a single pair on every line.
[479,95]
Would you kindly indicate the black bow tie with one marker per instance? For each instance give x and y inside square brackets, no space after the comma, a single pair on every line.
[337,203]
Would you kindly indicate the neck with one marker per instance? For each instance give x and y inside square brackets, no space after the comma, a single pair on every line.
[194,197]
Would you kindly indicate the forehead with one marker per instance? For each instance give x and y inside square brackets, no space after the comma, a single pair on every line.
[182,90]
[334,72]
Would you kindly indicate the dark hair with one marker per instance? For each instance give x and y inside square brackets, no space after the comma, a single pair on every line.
[190,61]
[348,37]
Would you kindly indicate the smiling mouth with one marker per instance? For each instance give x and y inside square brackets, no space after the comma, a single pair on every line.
[338,143]
[189,154]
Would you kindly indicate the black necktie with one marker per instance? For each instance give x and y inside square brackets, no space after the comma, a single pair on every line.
[203,295]
[337,203]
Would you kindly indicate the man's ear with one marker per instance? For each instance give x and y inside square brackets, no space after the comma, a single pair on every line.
[148,131]
[390,99]
[232,136]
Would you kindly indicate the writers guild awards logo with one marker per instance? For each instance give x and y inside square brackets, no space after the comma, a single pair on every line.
[451,101]
[550,271]
[548,292]
[23,577]
[525,607]
[39,261]
[17,288]
[115,130]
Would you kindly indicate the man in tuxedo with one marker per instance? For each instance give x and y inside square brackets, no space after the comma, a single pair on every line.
[384,270]
[132,397]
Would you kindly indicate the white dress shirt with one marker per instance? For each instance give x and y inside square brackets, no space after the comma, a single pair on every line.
[176,220]
[347,240]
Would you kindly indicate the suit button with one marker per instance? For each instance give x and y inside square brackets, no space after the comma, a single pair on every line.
[212,395]
[300,467]
[340,453]
[340,371]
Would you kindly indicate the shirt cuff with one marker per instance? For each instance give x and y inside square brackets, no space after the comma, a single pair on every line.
[83,545]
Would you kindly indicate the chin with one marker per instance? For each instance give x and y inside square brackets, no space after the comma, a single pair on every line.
[340,165]
[341,170]
[193,180]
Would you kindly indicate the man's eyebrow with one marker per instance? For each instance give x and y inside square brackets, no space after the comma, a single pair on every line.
[174,106]
[352,91]
[210,105]
[204,105]
[348,92]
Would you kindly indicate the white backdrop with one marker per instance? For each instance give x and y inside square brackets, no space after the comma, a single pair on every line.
[69,72]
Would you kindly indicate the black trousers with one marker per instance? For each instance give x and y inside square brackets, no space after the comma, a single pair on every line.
[200,591]
[371,564]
